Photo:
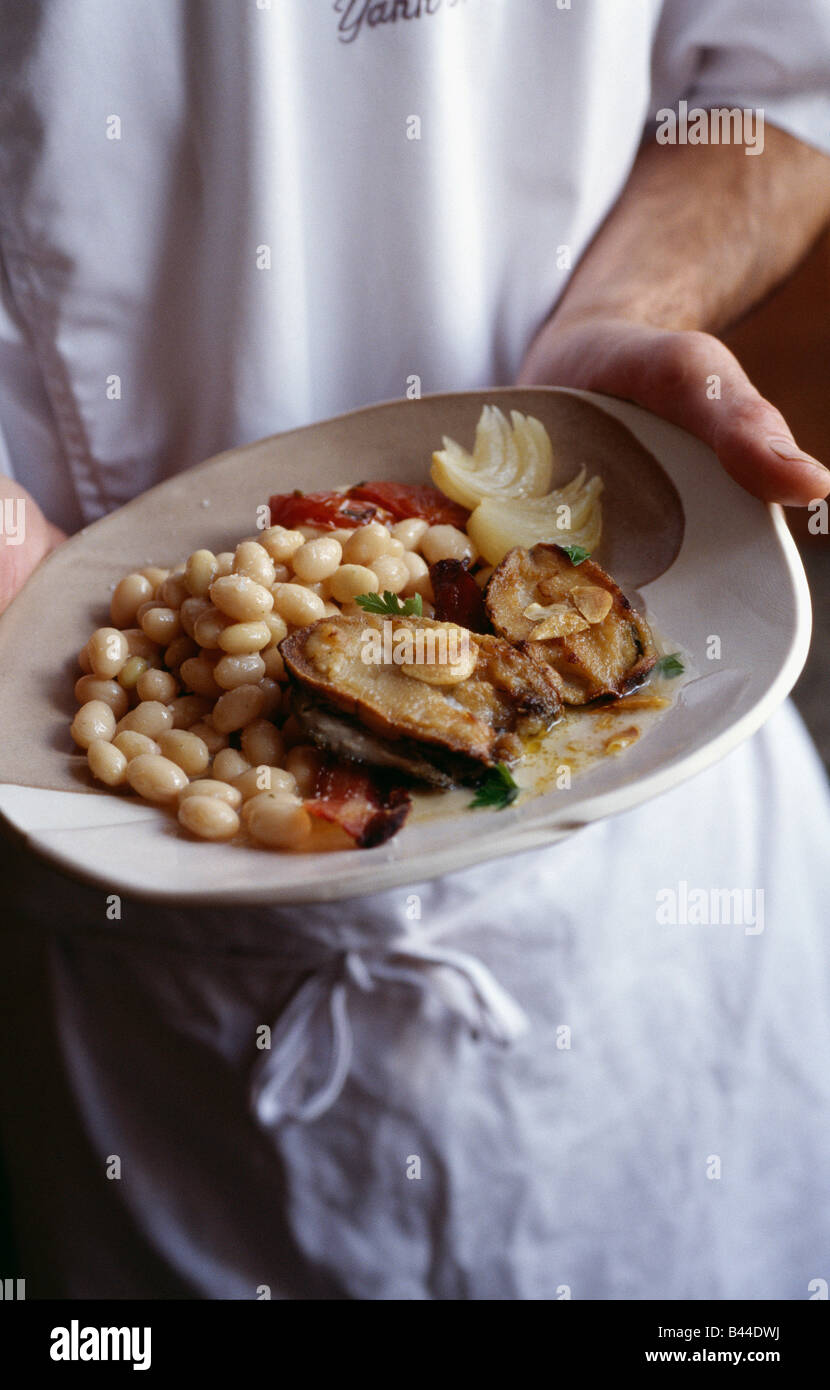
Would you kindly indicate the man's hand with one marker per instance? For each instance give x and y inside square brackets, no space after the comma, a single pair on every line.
[26,537]
[699,234]
[668,372]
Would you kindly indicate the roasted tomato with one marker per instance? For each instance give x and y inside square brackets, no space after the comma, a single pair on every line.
[405,499]
[328,510]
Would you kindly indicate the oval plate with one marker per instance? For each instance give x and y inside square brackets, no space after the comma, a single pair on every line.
[707,560]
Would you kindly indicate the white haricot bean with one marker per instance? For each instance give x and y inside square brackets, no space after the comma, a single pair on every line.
[229,764]
[350,580]
[317,560]
[185,749]
[298,605]
[238,707]
[341,533]
[410,531]
[366,544]
[262,742]
[131,744]
[93,688]
[253,559]
[281,543]
[147,607]
[208,626]
[191,610]
[242,598]
[107,763]
[232,671]
[208,786]
[174,590]
[94,720]
[277,626]
[310,533]
[161,625]
[155,574]
[482,576]
[274,664]
[224,563]
[84,662]
[419,581]
[139,644]
[128,596]
[197,676]
[263,778]
[108,650]
[206,732]
[154,684]
[200,571]
[277,820]
[132,671]
[156,778]
[303,762]
[179,650]
[189,710]
[271,691]
[208,817]
[391,573]
[238,639]
[446,543]
[151,717]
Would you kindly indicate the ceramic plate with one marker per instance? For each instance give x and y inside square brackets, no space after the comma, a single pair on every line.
[703,558]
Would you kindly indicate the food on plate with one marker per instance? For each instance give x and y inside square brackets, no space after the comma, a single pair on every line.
[572,512]
[293,691]
[364,502]
[509,459]
[576,619]
[376,712]
[507,482]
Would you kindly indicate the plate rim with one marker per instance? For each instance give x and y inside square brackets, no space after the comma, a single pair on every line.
[544,829]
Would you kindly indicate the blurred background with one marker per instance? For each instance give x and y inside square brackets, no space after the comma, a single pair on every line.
[784,346]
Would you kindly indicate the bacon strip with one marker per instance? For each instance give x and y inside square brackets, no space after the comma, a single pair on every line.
[457,597]
[364,801]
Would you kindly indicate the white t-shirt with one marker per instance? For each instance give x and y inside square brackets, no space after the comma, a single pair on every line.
[256,216]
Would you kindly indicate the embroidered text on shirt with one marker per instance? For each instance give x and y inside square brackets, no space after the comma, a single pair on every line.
[354,13]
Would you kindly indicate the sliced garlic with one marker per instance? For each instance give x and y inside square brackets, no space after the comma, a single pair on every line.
[593,602]
[555,620]
[442,655]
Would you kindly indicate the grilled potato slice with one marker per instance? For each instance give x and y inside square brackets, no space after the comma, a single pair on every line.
[375,712]
[575,617]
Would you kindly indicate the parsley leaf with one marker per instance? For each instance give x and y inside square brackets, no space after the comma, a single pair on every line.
[670,666]
[390,605]
[497,790]
[576,553]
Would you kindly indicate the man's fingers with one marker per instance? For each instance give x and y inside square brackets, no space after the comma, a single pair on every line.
[694,381]
[701,386]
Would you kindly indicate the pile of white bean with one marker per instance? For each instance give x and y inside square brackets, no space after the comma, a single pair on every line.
[184,698]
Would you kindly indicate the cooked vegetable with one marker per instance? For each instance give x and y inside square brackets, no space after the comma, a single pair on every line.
[379,501]
[371,710]
[575,617]
[508,460]
[406,500]
[571,512]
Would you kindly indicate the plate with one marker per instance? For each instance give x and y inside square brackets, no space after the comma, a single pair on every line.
[715,569]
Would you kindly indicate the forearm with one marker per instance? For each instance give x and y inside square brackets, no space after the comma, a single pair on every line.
[700,234]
